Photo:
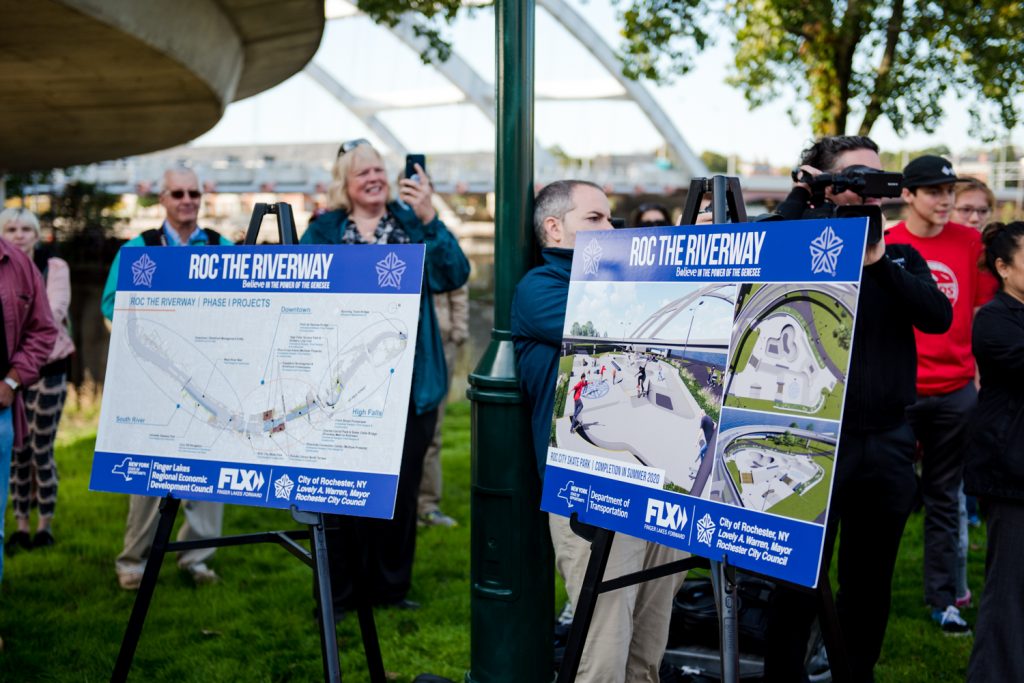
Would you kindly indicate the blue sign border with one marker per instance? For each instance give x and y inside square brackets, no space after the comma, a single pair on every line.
[826,250]
[303,269]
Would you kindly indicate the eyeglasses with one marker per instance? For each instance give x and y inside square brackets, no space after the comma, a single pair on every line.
[982,211]
[180,194]
[350,145]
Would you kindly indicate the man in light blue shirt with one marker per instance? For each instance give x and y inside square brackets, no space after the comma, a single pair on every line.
[181,197]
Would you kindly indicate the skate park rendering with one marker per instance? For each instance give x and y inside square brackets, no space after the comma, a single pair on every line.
[645,394]
[791,348]
[774,463]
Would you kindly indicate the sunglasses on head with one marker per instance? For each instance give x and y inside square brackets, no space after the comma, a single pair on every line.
[350,145]
[180,194]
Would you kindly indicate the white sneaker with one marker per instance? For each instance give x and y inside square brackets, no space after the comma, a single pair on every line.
[129,580]
[951,622]
[202,574]
[568,612]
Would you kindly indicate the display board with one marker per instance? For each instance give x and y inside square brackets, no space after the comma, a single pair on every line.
[269,376]
[701,387]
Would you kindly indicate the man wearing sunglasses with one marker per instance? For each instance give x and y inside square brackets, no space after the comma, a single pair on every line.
[180,196]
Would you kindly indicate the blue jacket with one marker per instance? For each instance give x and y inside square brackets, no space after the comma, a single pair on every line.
[446,268]
[538,319]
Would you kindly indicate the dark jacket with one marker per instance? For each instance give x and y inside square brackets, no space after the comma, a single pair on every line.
[793,206]
[995,460]
[538,319]
[897,294]
[445,268]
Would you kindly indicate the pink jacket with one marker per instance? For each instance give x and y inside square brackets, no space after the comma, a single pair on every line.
[58,291]
[28,323]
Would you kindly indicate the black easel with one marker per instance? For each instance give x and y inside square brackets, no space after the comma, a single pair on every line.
[727,207]
[316,557]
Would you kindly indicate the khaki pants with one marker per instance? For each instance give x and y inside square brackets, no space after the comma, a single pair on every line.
[629,631]
[203,519]
[430,481]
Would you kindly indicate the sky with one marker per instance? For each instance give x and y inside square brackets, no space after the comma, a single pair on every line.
[617,308]
[371,62]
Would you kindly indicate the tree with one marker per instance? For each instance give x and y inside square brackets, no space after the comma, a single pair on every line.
[879,58]
[843,337]
[82,208]
[895,59]
[716,163]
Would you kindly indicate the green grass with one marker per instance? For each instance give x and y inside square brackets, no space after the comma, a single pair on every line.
[746,350]
[830,409]
[827,325]
[809,505]
[62,615]
[734,472]
[707,405]
[561,392]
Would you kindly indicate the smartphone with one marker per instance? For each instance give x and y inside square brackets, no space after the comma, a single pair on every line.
[410,165]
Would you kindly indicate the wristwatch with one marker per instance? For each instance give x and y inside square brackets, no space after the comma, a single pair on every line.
[12,383]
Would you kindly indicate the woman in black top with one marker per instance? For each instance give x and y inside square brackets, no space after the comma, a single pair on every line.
[995,466]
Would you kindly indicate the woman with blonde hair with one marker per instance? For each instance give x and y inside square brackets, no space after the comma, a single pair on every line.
[33,468]
[973,203]
[371,559]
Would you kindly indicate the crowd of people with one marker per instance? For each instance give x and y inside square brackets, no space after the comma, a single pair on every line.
[934,407]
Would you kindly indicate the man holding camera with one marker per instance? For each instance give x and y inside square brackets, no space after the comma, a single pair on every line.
[945,373]
[874,483]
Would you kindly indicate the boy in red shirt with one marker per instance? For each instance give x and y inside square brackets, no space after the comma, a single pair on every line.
[577,397]
[945,370]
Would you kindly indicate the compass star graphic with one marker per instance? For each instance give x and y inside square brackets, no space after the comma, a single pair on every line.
[592,258]
[705,529]
[283,487]
[142,271]
[825,250]
[390,270]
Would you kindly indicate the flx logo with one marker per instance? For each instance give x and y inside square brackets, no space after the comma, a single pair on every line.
[240,480]
[666,515]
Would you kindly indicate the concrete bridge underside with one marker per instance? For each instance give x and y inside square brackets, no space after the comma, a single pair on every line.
[89,80]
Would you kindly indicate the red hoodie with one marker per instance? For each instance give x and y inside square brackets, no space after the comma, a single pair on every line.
[944,361]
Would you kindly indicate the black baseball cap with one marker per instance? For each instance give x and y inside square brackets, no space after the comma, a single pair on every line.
[928,170]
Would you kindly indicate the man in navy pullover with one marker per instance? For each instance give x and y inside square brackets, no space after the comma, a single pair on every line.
[629,631]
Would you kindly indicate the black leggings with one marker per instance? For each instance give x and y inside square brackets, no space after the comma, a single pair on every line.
[372,558]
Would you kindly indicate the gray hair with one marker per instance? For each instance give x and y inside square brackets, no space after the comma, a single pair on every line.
[24,215]
[554,201]
[176,170]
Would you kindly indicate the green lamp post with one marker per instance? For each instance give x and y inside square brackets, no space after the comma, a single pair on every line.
[511,579]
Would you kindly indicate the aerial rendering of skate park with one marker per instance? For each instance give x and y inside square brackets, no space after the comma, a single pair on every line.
[791,348]
[774,463]
[640,377]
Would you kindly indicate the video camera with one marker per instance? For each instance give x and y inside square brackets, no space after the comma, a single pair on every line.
[862,180]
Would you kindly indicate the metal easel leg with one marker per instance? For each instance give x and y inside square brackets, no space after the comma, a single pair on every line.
[168,511]
[322,574]
[600,549]
[723,578]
